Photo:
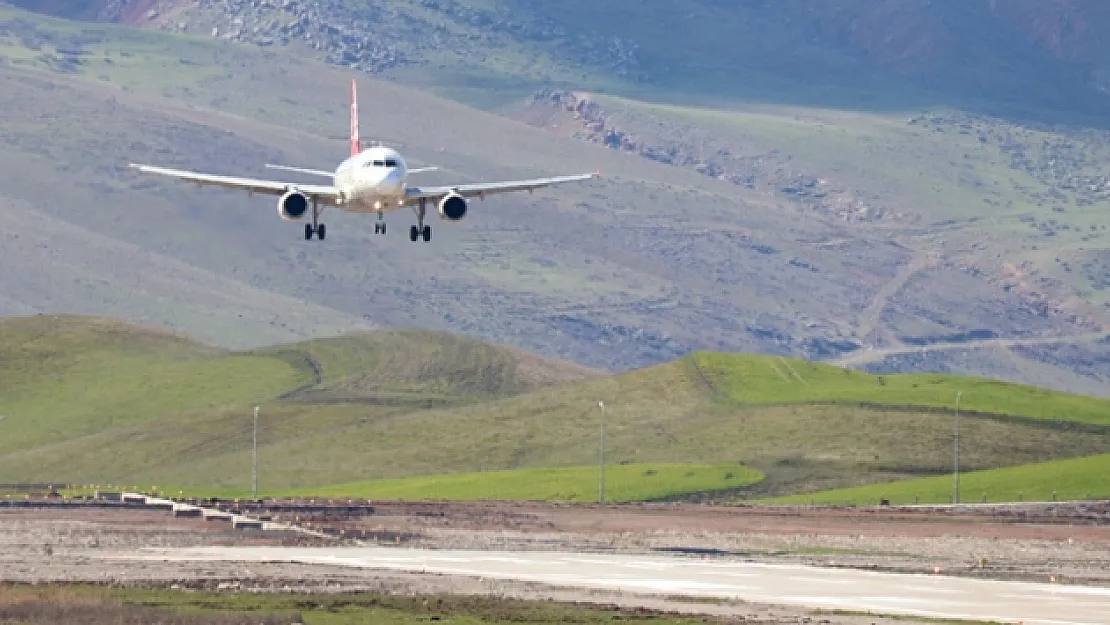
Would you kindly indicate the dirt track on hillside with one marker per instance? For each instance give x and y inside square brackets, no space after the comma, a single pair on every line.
[1065,544]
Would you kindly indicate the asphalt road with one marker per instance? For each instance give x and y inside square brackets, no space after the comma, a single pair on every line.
[935,596]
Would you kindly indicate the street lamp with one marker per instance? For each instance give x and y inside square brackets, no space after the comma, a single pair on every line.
[956,456]
[601,459]
[254,457]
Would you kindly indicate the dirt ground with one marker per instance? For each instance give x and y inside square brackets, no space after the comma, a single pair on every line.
[1066,543]
[1061,543]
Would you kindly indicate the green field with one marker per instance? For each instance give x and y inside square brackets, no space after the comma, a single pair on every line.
[632,482]
[767,381]
[1074,479]
[92,605]
[623,483]
[407,414]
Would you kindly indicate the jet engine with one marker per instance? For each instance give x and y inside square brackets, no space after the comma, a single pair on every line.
[293,205]
[452,207]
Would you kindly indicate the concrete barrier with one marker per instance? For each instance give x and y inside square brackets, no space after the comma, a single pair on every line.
[216,515]
[242,522]
[187,511]
[264,522]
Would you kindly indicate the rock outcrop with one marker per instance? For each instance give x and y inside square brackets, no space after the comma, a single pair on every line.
[770,172]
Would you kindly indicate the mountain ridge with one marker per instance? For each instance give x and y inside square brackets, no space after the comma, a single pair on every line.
[657,259]
[978,49]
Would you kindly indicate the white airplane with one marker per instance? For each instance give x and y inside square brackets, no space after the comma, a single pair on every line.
[368,181]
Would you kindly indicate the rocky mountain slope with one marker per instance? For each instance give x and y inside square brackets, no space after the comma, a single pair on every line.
[1028,54]
[876,237]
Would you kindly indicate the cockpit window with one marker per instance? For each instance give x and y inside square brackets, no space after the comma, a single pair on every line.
[385,163]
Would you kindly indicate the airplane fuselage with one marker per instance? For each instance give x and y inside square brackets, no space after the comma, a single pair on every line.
[372,181]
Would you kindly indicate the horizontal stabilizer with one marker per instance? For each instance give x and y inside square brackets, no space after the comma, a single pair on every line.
[314,172]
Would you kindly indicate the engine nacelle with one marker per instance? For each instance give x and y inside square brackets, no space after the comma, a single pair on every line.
[293,206]
[452,207]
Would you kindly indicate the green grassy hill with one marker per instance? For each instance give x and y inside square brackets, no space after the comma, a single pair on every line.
[68,378]
[1061,480]
[625,482]
[97,401]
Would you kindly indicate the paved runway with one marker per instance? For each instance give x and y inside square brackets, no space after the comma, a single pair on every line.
[813,587]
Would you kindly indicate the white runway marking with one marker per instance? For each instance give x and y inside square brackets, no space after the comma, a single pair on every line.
[812,587]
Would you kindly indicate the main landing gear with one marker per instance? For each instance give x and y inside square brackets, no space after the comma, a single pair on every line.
[420,231]
[317,228]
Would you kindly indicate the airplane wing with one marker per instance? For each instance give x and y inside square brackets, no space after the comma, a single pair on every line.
[302,170]
[325,193]
[482,189]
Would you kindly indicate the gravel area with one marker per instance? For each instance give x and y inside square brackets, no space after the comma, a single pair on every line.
[1066,546]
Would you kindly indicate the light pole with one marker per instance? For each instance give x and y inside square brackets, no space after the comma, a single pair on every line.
[956,457]
[254,457]
[601,459]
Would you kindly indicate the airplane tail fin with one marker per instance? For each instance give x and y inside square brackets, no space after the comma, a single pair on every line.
[355,147]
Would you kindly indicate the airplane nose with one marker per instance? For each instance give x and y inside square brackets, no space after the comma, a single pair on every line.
[392,180]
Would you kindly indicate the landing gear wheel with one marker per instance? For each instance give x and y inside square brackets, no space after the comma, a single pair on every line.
[315,227]
[420,231]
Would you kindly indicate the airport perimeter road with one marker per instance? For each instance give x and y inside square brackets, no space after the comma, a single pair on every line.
[882,593]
